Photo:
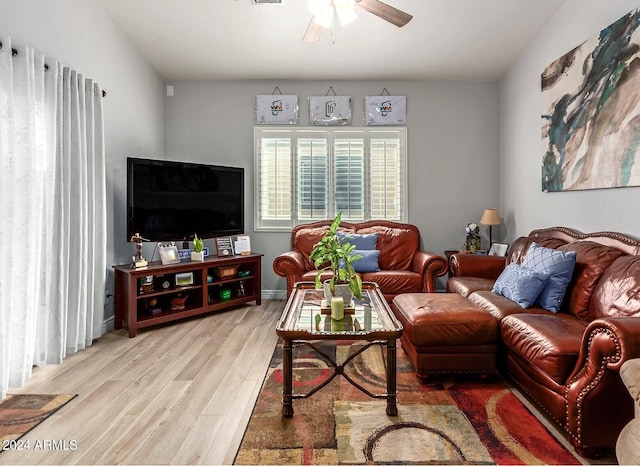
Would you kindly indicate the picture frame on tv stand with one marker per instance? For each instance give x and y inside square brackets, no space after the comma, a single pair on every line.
[224,247]
[168,253]
[242,245]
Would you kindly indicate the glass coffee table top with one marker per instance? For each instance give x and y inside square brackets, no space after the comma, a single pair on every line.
[308,316]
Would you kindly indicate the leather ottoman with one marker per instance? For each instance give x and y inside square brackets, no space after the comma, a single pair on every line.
[445,333]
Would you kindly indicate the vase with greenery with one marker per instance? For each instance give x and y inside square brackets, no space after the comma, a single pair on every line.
[198,246]
[472,242]
[337,256]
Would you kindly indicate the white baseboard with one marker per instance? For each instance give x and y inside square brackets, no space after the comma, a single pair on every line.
[108,324]
[274,294]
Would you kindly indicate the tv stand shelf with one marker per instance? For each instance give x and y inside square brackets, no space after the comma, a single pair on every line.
[151,295]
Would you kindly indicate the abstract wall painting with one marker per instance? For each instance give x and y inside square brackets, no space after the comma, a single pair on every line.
[591,112]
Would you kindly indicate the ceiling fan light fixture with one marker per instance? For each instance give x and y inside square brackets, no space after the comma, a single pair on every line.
[322,11]
[345,10]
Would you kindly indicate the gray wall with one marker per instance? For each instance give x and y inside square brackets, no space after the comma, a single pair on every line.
[80,34]
[452,146]
[522,203]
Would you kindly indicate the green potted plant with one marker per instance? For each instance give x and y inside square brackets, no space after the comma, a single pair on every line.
[198,246]
[332,254]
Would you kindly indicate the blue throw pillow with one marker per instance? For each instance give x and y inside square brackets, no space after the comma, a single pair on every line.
[520,284]
[559,265]
[368,261]
[361,242]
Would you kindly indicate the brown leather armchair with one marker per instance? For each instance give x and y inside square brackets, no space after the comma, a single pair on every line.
[404,268]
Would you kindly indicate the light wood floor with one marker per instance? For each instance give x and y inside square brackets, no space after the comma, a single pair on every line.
[179,394]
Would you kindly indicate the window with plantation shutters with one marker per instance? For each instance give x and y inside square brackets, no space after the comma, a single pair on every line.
[274,183]
[312,178]
[309,174]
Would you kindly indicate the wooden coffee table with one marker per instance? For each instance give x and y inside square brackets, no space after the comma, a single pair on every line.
[371,320]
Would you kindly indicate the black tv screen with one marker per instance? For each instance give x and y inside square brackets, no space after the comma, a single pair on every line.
[172,201]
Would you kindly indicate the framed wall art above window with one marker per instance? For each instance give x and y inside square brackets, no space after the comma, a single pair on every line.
[330,110]
[276,109]
[385,110]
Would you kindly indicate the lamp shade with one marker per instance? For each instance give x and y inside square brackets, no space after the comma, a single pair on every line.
[490,217]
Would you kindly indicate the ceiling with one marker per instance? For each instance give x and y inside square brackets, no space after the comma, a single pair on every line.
[463,40]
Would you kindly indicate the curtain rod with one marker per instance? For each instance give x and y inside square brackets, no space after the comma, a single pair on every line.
[14,53]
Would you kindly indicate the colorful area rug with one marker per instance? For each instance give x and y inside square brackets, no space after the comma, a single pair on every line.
[461,421]
[21,413]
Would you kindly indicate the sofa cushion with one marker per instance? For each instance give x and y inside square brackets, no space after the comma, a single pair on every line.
[591,262]
[520,284]
[518,250]
[361,242]
[393,282]
[397,246]
[499,306]
[367,262]
[464,286]
[550,342]
[559,265]
[617,293]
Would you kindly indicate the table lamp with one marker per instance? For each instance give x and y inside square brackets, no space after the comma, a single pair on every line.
[490,217]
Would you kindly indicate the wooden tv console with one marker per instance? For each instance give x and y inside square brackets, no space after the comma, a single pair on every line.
[156,294]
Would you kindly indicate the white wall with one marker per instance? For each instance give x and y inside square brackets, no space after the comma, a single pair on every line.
[452,144]
[522,203]
[80,34]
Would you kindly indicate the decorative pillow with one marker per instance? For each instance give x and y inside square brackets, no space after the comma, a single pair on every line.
[559,265]
[361,242]
[368,261]
[520,284]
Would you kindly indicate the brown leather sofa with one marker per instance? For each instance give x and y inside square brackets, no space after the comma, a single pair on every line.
[404,268]
[568,362]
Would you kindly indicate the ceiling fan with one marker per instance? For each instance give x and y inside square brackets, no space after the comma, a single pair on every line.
[323,11]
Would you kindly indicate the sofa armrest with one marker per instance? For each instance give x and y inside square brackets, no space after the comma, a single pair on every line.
[476,265]
[595,385]
[290,265]
[430,266]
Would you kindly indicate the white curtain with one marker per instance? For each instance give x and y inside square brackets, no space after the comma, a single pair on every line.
[52,214]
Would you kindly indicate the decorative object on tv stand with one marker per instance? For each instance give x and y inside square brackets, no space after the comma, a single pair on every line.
[242,245]
[178,303]
[490,217]
[332,254]
[137,261]
[224,248]
[197,254]
[472,242]
[184,279]
[168,253]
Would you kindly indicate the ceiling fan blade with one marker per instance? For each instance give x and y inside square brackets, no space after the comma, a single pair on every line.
[313,33]
[386,12]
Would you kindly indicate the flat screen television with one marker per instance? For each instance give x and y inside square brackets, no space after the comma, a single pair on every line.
[172,201]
